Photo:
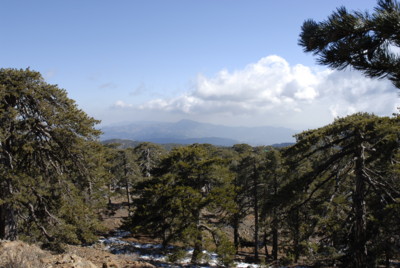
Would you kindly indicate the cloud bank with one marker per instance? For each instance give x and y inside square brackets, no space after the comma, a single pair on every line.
[272,92]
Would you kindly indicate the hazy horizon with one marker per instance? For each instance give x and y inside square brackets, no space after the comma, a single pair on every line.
[235,63]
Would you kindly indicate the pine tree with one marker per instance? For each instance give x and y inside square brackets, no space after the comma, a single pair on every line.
[248,189]
[273,177]
[366,42]
[125,171]
[50,162]
[241,184]
[148,157]
[356,152]
[187,195]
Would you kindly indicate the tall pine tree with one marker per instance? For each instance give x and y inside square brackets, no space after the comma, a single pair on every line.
[187,196]
[50,162]
[358,152]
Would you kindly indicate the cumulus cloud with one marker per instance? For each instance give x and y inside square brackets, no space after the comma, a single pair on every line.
[121,104]
[271,91]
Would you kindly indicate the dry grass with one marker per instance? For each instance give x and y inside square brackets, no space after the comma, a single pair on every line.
[20,255]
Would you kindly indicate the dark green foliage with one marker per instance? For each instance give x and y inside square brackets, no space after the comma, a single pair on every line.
[351,166]
[124,171]
[360,40]
[273,177]
[249,184]
[50,162]
[188,195]
[326,197]
[148,157]
[176,255]
[242,192]
[357,153]
[225,250]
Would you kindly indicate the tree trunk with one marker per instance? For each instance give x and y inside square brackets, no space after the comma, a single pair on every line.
[148,163]
[236,232]
[128,196]
[275,239]
[265,245]
[198,247]
[296,235]
[275,225]
[387,258]
[256,227]
[109,194]
[126,173]
[90,190]
[360,226]
[198,243]
[8,225]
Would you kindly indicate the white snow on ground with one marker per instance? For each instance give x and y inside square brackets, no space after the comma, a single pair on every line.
[115,245]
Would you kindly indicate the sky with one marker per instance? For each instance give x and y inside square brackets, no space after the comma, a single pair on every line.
[229,62]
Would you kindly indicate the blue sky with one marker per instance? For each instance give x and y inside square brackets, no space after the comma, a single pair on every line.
[231,62]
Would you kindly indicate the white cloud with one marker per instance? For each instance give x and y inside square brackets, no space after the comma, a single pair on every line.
[122,104]
[271,92]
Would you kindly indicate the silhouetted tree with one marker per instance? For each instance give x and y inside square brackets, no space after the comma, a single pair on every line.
[366,42]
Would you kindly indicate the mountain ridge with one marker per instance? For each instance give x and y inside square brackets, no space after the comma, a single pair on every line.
[188,131]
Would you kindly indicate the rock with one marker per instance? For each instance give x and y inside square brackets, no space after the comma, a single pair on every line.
[23,255]
[72,261]
[110,265]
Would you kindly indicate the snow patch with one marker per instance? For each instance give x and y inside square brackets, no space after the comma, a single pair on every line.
[152,252]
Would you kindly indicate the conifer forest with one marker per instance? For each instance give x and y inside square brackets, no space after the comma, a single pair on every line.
[331,199]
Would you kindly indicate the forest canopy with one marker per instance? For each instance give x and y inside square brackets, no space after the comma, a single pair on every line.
[331,199]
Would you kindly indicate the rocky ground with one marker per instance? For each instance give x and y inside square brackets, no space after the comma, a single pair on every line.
[17,254]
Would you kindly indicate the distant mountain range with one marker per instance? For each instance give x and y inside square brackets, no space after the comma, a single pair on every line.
[189,132]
